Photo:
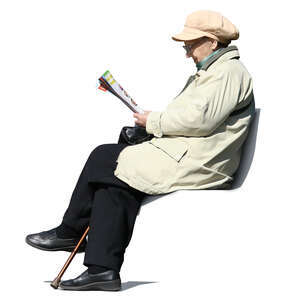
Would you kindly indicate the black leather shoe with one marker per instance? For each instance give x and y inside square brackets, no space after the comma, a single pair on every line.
[105,281]
[48,240]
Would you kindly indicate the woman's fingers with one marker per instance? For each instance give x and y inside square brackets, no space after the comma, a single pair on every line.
[141,118]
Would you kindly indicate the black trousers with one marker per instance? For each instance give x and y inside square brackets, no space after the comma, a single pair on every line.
[106,204]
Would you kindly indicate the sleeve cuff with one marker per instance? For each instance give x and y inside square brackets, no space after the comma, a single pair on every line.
[153,123]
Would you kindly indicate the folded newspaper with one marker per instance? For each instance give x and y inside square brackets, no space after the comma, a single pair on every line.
[108,83]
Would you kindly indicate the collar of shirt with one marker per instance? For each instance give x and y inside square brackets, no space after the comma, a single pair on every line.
[201,63]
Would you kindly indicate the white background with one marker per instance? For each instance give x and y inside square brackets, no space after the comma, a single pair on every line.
[241,244]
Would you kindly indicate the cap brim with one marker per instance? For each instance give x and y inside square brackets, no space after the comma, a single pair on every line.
[181,37]
[188,36]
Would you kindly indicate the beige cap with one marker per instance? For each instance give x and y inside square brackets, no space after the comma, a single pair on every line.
[207,23]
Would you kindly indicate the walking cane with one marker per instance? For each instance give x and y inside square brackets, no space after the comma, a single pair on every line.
[56,281]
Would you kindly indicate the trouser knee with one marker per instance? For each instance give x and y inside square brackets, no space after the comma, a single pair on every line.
[98,154]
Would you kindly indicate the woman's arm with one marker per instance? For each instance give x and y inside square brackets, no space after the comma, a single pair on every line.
[204,109]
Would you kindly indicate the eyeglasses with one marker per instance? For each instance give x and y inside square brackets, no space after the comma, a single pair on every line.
[188,48]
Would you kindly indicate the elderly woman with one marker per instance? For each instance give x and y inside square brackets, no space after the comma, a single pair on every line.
[196,144]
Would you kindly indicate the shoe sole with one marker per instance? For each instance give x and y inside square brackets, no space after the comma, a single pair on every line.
[68,249]
[109,285]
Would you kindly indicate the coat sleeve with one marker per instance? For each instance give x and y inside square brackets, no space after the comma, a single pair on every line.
[202,111]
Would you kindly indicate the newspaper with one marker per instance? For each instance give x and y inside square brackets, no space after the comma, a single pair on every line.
[107,82]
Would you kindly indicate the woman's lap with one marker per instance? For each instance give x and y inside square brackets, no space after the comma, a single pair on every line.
[102,164]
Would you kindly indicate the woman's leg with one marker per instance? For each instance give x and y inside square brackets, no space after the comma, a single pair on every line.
[112,221]
[105,203]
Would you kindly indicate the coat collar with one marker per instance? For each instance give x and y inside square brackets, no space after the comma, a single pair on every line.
[201,63]
[223,55]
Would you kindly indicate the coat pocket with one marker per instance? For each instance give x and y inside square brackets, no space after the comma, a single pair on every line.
[171,146]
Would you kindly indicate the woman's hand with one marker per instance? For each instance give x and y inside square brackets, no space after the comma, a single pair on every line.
[141,118]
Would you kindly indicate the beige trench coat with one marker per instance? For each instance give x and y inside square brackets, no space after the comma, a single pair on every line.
[196,144]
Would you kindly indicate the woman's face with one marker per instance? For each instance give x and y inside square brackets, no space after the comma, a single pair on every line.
[201,48]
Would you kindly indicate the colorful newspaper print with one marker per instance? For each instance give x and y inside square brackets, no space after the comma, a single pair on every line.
[120,92]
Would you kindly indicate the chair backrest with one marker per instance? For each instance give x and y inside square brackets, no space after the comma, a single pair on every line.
[247,153]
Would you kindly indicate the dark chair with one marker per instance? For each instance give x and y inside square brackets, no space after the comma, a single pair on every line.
[247,153]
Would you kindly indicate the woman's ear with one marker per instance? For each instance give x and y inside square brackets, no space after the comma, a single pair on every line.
[214,45]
